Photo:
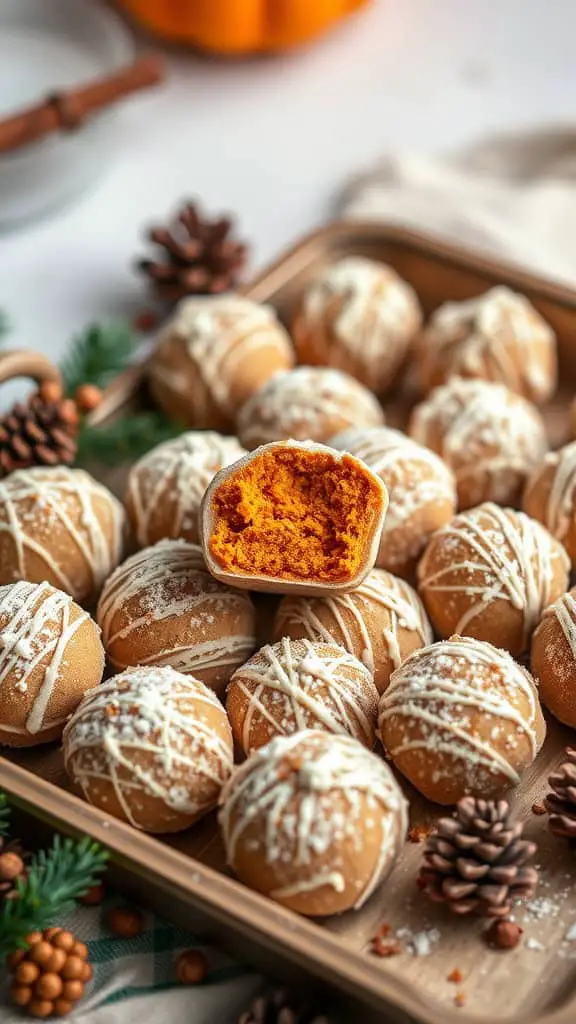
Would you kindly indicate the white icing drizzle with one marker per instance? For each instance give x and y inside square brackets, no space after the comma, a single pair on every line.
[55,494]
[441,688]
[306,403]
[167,581]
[510,559]
[221,333]
[180,471]
[146,731]
[564,610]
[484,430]
[387,602]
[293,681]
[414,475]
[560,509]
[500,334]
[378,312]
[290,786]
[37,625]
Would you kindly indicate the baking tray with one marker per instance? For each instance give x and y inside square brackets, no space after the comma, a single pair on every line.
[185,876]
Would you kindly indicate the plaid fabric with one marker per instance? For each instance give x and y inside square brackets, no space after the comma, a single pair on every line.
[134,979]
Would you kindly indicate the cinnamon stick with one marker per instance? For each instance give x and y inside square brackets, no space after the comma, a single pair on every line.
[68,110]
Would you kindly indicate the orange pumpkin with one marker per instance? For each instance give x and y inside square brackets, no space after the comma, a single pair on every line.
[239,26]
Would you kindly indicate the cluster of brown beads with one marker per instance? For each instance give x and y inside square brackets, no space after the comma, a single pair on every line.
[50,975]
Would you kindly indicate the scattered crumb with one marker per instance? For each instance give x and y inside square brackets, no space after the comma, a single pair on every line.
[385,947]
[533,943]
[419,943]
[460,999]
[455,976]
[383,930]
[419,833]
[542,907]
[539,809]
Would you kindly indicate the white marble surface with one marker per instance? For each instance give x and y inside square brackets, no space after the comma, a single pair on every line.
[274,139]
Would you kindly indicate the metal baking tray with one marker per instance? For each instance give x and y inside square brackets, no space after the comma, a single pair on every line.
[186,877]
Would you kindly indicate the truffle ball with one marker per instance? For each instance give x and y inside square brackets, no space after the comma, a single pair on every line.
[150,746]
[550,496]
[60,526]
[380,622]
[313,820]
[165,487]
[553,658]
[307,404]
[212,355]
[498,336]
[491,438]
[461,718]
[50,654]
[421,491]
[490,573]
[297,684]
[161,607]
[359,316]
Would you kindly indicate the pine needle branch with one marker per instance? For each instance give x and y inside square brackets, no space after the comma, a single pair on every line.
[97,355]
[56,878]
[5,814]
[125,439]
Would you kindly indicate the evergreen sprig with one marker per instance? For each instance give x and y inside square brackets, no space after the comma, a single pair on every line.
[55,879]
[125,439]
[97,355]
[5,814]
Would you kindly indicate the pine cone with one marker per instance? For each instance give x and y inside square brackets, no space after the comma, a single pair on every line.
[50,975]
[279,1007]
[12,867]
[39,432]
[561,803]
[200,257]
[476,860]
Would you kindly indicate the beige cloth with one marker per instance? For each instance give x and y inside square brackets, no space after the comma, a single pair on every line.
[511,196]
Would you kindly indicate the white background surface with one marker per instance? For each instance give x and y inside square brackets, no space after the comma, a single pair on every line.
[275,139]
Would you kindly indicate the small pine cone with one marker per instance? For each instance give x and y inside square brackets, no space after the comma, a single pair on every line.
[200,257]
[49,976]
[39,432]
[476,861]
[280,1007]
[12,867]
[561,802]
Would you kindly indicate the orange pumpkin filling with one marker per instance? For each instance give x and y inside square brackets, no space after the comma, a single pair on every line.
[295,515]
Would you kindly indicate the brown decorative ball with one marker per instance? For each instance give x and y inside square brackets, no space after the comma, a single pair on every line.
[50,654]
[191,967]
[550,496]
[60,526]
[150,746]
[300,684]
[165,488]
[380,622]
[307,404]
[553,658]
[329,829]
[88,397]
[359,316]
[461,718]
[490,438]
[161,607]
[498,336]
[94,896]
[490,573]
[41,973]
[421,490]
[212,355]
[125,922]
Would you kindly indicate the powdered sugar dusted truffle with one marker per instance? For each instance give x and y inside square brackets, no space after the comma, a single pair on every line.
[50,654]
[359,316]
[308,403]
[380,622]
[491,438]
[165,487]
[490,573]
[161,607]
[212,355]
[421,490]
[553,658]
[59,525]
[550,496]
[313,820]
[498,336]
[461,718]
[297,684]
[150,746]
